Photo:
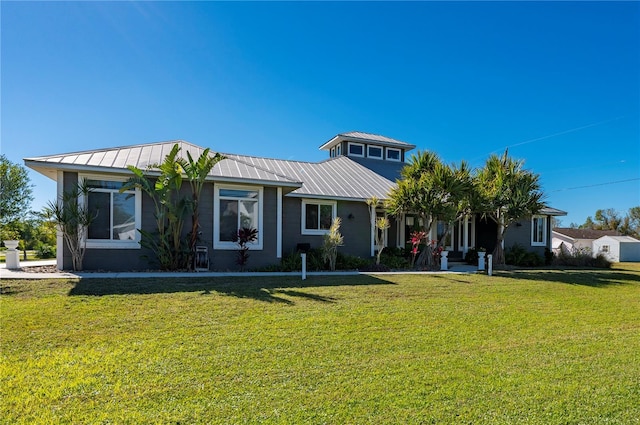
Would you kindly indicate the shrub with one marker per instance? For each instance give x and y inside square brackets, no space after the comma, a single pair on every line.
[581,257]
[350,262]
[548,257]
[517,255]
[45,251]
[471,257]
[395,258]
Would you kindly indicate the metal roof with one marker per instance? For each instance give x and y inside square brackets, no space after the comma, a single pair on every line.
[359,136]
[144,156]
[552,211]
[339,177]
[584,233]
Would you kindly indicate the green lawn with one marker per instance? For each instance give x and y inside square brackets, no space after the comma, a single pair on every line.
[535,347]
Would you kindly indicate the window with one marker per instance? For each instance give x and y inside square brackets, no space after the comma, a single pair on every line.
[338,150]
[332,152]
[356,149]
[117,215]
[374,152]
[393,154]
[317,216]
[538,231]
[605,248]
[236,207]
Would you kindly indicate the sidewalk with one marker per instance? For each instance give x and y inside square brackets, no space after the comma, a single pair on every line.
[19,274]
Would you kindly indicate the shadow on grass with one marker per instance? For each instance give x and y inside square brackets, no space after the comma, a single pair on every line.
[587,277]
[268,289]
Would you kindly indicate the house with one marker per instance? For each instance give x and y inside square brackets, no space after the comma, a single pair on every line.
[617,248]
[290,203]
[567,239]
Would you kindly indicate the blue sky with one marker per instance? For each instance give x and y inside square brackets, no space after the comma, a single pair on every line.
[556,82]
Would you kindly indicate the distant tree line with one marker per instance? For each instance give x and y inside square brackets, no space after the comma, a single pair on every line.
[610,219]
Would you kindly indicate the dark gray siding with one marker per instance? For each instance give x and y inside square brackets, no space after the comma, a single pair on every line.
[225,260]
[69,183]
[521,235]
[356,231]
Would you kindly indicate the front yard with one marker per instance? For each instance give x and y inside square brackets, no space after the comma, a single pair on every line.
[541,347]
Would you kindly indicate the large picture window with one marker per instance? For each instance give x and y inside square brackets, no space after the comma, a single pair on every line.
[236,207]
[317,216]
[539,231]
[116,215]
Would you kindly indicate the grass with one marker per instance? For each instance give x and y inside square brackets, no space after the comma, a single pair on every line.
[534,347]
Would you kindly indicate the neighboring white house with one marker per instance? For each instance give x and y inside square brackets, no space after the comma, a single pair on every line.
[567,239]
[617,248]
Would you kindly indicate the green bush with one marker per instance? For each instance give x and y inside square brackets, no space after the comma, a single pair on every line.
[45,251]
[395,258]
[471,257]
[581,257]
[518,256]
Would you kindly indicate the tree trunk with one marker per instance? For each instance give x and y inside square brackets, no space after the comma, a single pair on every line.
[498,251]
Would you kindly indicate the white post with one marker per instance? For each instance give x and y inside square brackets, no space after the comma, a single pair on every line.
[304,266]
[481,255]
[12,256]
[444,261]
[490,265]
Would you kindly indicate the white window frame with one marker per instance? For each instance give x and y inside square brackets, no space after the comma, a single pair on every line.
[369,147]
[229,245]
[605,248]
[303,215]
[338,149]
[114,243]
[393,150]
[544,230]
[332,152]
[355,144]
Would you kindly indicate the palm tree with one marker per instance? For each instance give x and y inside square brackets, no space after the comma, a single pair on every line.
[506,193]
[432,190]
[197,172]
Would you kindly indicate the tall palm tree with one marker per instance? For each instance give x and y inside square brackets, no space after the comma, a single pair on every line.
[432,190]
[506,193]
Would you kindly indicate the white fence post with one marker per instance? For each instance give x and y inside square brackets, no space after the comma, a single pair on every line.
[490,264]
[304,266]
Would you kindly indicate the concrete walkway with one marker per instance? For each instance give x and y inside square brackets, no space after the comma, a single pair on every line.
[19,274]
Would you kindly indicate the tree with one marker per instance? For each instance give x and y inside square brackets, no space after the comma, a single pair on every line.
[331,242]
[197,172]
[506,192]
[15,192]
[610,219]
[435,192]
[73,219]
[169,211]
[631,223]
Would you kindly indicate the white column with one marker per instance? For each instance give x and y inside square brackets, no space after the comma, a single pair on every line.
[489,264]
[465,236]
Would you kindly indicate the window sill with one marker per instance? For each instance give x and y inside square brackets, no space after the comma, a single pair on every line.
[113,244]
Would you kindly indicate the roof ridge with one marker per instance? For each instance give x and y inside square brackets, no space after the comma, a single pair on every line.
[271,158]
[262,169]
[138,145]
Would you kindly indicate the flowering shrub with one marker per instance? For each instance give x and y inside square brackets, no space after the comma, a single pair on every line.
[416,239]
